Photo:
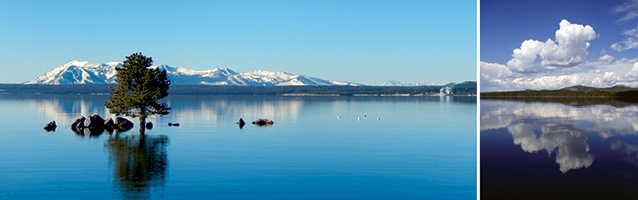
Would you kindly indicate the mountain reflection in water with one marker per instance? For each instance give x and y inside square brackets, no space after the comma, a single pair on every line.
[64,109]
[139,163]
[422,147]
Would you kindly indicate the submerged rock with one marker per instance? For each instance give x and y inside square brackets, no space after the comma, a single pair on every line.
[123,124]
[109,124]
[95,125]
[263,122]
[50,126]
[94,122]
[119,125]
[78,124]
[241,123]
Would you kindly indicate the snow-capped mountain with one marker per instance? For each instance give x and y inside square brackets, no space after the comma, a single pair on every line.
[397,83]
[76,72]
[269,78]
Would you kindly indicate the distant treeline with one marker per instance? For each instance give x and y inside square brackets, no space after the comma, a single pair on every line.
[549,93]
[466,88]
[611,96]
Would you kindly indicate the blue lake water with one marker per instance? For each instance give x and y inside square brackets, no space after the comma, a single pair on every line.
[558,151]
[419,148]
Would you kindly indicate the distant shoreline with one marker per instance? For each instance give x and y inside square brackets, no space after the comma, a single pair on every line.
[463,89]
[376,95]
[575,95]
[578,91]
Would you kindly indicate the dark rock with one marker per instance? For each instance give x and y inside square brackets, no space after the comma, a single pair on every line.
[149,125]
[109,123]
[50,126]
[173,124]
[263,122]
[119,120]
[78,124]
[123,124]
[241,123]
[94,122]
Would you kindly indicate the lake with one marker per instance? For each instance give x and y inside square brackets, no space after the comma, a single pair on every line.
[558,150]
[318,148]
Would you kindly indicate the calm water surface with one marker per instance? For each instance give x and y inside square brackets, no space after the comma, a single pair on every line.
[419,148]
[558,151]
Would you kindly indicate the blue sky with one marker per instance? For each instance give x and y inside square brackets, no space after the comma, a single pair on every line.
[365,42]
[596,45]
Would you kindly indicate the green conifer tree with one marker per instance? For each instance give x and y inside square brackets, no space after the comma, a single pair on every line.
[139,89]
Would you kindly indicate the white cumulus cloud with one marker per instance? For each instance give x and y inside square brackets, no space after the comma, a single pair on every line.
[562,63]
[525,56]
[569,50]
[497,77]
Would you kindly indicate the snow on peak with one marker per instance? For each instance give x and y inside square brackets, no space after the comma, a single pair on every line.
[163,67]
[77,63]
[78,72]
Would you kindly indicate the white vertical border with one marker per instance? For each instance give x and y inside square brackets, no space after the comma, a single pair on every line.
[478,99]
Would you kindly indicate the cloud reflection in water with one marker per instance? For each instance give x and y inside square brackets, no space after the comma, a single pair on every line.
[562,128]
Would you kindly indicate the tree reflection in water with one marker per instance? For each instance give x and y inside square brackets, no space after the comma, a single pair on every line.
[139,163]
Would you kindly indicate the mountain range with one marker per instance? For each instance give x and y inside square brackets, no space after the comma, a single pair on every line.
[83,72]
[397,83]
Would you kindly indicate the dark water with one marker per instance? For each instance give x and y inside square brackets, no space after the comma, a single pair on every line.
[558,151]
[420,148]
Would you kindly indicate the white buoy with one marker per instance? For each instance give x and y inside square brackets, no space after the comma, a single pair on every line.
[378,119]
[338,117]
[359,118]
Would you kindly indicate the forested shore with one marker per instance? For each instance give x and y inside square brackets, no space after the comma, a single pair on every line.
[463,89]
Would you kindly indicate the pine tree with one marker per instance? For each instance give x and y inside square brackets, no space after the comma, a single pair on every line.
[139,89]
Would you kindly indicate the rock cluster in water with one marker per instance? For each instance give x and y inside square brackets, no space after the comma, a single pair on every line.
[263,122]
[258,122]
[95,125]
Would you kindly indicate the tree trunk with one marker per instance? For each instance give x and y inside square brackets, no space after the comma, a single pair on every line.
[142,119]
[142,126]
